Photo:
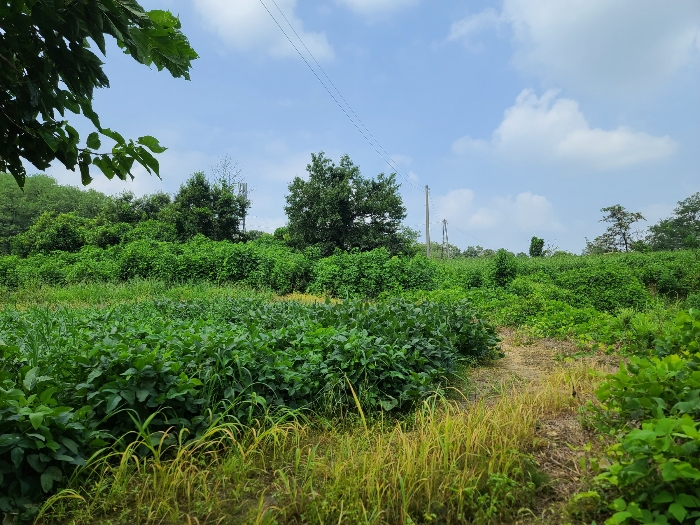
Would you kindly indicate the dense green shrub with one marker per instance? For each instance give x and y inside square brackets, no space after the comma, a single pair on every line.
[504,268]
[654,471]
[367,274]
[153,230]
[109,234]
[72,381]
[605,288]
[50,232]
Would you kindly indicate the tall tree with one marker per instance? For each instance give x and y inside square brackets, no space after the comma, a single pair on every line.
[339,208]
[214,210]
[48,67]
[681,230]
[536,247]
[619,236]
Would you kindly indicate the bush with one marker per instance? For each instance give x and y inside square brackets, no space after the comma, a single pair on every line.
[50,232]
[504,268]
[367,274]
[605,288]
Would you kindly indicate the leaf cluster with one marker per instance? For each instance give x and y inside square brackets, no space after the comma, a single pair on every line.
[95,373]
[49,67]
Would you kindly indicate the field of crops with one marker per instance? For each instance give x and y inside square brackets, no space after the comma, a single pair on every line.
[118,372]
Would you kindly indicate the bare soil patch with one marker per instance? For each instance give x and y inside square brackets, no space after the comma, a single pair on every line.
[560,439]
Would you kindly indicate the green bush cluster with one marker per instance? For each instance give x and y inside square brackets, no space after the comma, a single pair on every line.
[654,402]
[606,283]
[73,381]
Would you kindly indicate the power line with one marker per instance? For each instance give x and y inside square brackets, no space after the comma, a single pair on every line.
[389,161]
[376,145]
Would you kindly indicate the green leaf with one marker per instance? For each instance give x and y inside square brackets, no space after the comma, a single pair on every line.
[112,402]
[50,475]
[151,143]
[69,444]
[619,504]
[36,419]
[94,375]
[620,517]
[93,140]
[114,136]
[678,511]
[30,378]
[84,165]
[35,462]
[664,497]
[17,454]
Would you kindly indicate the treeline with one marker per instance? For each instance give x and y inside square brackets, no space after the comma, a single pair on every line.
[47,216]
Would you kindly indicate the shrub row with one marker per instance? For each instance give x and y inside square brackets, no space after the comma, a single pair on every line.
[73,381]
[605,283]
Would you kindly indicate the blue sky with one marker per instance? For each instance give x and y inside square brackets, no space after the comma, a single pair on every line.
[525,117]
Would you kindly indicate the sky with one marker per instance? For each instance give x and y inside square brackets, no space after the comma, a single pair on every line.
[524,117]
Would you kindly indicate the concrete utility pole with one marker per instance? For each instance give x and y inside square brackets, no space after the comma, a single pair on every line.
[427,223]
[243,190]
[445,240]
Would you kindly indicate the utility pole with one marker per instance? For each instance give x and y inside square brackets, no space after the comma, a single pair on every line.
[427,223]
[243,190]
[445,240]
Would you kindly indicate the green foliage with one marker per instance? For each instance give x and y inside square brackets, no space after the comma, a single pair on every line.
[681,230]
[337,208]
[536,247]
[504,267]
[605,288]
[655,470]
[49,67]
[65,232]
[212,210]
[19,209]
[73,381]
[367,274]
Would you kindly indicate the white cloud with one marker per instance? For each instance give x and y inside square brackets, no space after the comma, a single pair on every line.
[465,145]
[621,46]
[376,7]
[464,29]
[246,25]
[551,130]
[526,212]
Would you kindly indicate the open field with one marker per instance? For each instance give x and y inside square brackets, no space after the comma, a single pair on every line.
[146,402]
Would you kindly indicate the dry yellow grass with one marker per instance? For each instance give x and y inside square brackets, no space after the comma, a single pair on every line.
[449,462]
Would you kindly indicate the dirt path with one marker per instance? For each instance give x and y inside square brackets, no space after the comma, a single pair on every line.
[559,439]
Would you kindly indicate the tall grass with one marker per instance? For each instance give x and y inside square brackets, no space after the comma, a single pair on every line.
[137,290]
[449,462]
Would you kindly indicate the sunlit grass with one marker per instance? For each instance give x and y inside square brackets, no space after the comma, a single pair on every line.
[447,462]
[101,294]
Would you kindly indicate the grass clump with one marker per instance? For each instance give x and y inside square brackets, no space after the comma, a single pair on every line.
[448,462]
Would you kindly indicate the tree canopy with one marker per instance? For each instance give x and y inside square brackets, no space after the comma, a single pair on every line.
[339,208]
[681,230]
[619,236]
[49,67]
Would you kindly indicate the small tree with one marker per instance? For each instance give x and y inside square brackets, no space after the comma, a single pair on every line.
[619,235]
[536,247]
[337,208]
[505,267]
